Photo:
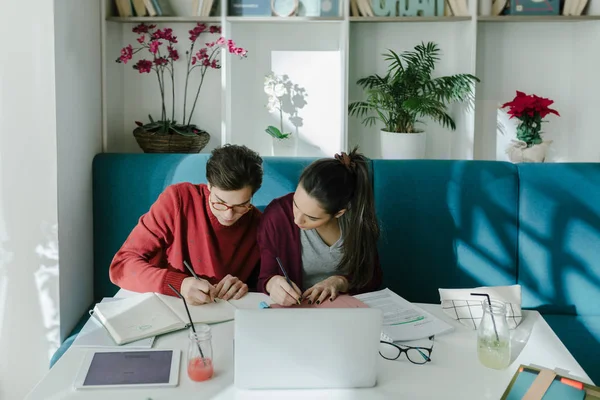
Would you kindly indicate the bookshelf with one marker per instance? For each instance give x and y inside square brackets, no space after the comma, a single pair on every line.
[508,53]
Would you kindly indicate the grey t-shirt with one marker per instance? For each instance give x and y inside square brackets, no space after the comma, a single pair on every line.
[319,261]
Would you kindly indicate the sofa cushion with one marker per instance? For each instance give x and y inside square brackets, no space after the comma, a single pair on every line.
[69,340]
[581,336]
[446,224]
[559,237]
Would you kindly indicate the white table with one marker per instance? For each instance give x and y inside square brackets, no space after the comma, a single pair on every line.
[454,371]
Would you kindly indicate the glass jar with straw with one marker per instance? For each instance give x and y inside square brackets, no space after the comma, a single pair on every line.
[199,356]
[493,336]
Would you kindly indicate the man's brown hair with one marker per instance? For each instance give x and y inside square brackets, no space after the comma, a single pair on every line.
[233,167]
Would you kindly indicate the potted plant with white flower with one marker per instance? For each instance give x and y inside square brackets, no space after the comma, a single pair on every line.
[275,88]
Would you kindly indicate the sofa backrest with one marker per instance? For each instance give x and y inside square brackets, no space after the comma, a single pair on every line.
[446,224]
[559,237]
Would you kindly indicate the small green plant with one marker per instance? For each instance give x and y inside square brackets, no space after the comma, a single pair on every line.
[408,92]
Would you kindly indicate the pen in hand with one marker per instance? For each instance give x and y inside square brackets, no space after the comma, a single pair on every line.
[194,275]
[287,278]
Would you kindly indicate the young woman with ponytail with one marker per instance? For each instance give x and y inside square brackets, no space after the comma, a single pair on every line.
[324,234]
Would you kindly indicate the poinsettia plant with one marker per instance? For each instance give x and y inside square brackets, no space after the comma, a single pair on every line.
[157,46]
[530,110]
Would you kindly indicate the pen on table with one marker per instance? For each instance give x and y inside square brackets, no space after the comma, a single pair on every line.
[287,278]
[193,273]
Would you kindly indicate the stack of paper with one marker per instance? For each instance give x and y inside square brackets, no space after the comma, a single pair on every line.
[402,320]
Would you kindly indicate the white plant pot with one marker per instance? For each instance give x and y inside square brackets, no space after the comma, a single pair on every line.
[518,152]
[402,146]
[284,147]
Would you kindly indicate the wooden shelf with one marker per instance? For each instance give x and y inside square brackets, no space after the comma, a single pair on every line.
[213,20]
[409,19]
[538,18]
[284,19]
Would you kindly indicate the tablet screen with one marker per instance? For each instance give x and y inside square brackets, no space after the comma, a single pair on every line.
[129,368]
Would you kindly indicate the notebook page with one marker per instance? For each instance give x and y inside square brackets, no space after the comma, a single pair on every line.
[136,317]
[210,313]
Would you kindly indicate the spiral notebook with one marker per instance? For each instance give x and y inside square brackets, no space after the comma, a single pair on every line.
[150,314]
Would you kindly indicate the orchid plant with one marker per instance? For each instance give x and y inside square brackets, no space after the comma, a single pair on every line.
[159,46]
[275,90]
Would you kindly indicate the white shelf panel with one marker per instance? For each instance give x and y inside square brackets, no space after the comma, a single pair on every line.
[538,18]
[285,20]
[410,19]
[164,19]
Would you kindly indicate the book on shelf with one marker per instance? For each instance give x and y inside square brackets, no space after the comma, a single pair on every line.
[150,314]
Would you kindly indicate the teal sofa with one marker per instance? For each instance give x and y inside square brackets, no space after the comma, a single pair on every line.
[444,223]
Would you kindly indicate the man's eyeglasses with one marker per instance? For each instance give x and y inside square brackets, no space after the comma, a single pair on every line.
[416,355]
[238,209]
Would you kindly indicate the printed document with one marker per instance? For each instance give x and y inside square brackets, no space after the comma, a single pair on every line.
[401,319]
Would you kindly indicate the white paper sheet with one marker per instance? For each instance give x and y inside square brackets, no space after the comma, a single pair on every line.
[401,319]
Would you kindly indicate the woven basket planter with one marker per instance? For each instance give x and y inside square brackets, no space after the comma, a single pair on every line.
[172,143]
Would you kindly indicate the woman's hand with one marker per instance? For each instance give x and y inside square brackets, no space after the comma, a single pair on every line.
[282,293]
[231,287]
[326,289]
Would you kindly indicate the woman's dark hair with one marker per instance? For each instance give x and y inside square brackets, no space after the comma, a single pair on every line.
[233,167]
[341,183]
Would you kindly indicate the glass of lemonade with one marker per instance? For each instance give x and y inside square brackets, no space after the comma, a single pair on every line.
[493,336]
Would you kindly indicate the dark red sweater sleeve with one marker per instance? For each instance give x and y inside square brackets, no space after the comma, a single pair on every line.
[268,244]
[132,267]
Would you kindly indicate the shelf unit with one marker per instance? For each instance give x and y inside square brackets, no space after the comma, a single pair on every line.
[507,53]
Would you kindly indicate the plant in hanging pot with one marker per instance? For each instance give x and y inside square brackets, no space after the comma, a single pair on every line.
[166,134]
[405,95]
[530,110]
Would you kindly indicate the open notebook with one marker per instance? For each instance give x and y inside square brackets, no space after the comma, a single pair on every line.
[150,314]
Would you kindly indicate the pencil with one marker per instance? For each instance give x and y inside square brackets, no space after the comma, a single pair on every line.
[193,273]
[287,278]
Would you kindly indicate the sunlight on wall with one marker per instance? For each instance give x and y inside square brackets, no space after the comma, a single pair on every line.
[5,259]
[46,282]
[318,122]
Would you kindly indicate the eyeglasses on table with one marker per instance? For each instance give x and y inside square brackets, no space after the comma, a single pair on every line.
[416,355]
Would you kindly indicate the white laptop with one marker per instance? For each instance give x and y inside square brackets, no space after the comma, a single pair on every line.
[306,348]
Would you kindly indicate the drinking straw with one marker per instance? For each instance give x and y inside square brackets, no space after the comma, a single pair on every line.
[190,318]
[491,313]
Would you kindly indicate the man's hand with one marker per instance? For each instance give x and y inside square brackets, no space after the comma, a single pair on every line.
[282,293]
[231,287]
[326,289]
[197,291]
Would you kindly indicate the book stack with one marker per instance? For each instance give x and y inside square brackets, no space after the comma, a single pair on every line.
[459,8]
[142,8]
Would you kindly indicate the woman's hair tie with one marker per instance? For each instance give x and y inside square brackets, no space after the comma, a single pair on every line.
[346,161]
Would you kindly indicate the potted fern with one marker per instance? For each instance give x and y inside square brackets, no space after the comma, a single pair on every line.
[407,94]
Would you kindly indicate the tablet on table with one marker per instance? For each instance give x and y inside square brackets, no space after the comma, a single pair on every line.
[129,368]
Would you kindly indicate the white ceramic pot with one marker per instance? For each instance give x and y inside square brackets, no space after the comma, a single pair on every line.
[284,147]
[518,152]
[402,146]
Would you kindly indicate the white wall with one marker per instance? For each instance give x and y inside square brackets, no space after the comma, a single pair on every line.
[28,191]
[45,161]
[79,138]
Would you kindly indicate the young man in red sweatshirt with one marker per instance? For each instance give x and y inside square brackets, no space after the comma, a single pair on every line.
[210,227]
